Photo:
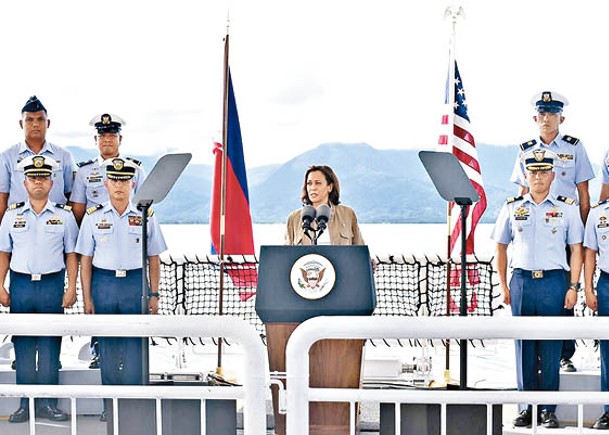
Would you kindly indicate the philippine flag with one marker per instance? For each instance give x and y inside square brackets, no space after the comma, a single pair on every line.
[238,233]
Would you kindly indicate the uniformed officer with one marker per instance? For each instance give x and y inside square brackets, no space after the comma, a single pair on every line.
[596,242]
[604,175]
[539,226]
[573,171]
[34,122]
[37,242]
[110,244]
[89,189]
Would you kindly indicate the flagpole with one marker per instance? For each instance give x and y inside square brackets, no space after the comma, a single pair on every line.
[453,12]
[223,193]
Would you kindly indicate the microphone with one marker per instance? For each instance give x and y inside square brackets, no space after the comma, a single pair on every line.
[307,215]
[323,216]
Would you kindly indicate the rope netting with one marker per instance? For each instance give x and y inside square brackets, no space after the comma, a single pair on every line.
[405,286]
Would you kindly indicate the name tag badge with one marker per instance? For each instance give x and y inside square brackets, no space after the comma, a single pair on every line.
[121,273]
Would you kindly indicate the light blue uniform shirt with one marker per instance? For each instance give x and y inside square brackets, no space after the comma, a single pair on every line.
[538,233]
[38,242]
[604,171]
[572,168]
[115,241]
[89,186]
[11,179]
[597,234]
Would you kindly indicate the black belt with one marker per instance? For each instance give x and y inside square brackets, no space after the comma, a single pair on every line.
[38,276]
[119,273]
[539,274]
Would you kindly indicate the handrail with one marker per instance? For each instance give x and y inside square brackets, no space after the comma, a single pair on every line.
[358,327]
[254,384]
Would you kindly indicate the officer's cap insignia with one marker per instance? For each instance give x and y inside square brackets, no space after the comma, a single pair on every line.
[539,155]
[38,161]
[118,164]
[106,119]
[546,97]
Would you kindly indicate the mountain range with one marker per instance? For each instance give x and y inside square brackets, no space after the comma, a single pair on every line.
[383,186]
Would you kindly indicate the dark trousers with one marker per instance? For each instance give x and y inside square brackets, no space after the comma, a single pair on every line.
[602,294]
[121,358]
[538,361]
[568,346]
[37,358]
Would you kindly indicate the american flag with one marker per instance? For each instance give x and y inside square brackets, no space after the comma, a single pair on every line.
[463,146]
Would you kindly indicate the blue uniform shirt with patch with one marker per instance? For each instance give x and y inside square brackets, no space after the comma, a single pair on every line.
[115,241]
[38,242]
[89,186]
[538,233]
[11,179]
[597,234]
[572,167]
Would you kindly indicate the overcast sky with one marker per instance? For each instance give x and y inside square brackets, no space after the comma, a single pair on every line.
[304,73]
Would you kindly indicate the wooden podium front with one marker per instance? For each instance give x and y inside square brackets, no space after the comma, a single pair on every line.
[332,364]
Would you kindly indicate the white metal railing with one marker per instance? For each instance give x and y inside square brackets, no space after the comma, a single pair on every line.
[343,327]
[254,381]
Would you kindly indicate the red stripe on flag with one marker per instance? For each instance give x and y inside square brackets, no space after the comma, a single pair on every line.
[466,159]
[465,135]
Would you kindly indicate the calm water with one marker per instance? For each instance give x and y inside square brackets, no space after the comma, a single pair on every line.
[417,239]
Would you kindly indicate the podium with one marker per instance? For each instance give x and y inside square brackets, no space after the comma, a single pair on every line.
[296,283]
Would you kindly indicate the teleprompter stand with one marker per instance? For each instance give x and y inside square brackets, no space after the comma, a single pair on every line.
[453,185]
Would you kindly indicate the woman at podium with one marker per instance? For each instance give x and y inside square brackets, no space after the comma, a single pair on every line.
[321,188]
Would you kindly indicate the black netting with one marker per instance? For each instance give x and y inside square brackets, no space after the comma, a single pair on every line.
[404,287]
[202,284]
[171,288]
[398,285]
[479,287]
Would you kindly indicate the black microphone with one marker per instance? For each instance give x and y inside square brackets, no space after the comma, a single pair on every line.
[323,216]
[307,215]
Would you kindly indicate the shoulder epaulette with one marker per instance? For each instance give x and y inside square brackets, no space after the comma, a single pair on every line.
[572,140]
[565,199]
[604,201]
[81,164]
[94,208]
[526,145]
[511,199]
[16,205]
[137,162]
[66,207]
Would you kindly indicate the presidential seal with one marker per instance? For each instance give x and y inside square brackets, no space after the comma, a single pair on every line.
[312,276]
